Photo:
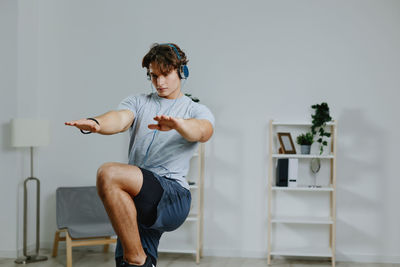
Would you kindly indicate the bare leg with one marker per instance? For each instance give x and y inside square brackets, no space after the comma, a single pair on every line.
[117,183]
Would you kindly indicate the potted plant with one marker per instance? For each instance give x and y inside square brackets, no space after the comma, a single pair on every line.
[319,120]
[305,141]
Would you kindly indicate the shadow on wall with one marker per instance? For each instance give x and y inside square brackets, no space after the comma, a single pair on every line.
[6,137]
[49,218]
[360,185]
[224,187]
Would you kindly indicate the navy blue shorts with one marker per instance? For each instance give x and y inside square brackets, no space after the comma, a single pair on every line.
[163,212]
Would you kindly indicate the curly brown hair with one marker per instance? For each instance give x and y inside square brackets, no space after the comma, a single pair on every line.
[165,57]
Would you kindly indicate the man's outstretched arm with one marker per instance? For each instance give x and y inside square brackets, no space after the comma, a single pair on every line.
[193,130]
[111,122]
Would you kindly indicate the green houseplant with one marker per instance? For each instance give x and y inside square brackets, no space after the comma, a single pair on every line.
[305,140]
[319,120]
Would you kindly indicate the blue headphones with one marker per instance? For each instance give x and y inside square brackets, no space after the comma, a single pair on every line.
[183,69]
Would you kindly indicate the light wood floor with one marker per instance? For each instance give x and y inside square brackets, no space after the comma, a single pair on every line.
[98,259]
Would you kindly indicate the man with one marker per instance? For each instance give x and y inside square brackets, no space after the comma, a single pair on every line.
[150,195]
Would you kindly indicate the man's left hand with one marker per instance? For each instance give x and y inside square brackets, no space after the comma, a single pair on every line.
[165,123]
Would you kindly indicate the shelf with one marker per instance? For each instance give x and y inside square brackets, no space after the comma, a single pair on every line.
[302,220]
[302,188]
[283,123]
[184,251]
[301,156]
[307,252]
[324,221]
[189,238]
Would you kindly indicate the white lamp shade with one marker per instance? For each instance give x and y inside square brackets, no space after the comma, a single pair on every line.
[29,132]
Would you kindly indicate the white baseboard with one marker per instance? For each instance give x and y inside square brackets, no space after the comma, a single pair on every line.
[340,256]
[8,254]
[47,247]
[221,252]
[19,253]
[367,258]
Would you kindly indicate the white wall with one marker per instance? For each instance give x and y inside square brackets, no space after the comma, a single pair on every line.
[250,61]
[8,109]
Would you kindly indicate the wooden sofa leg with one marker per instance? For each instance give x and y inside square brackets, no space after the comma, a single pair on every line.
[55,244]
[69,249]
[107,246]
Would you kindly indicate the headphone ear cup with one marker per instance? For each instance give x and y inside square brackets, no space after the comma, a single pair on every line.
[184,71]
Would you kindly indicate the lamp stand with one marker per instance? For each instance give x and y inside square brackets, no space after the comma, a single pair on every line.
[36,257]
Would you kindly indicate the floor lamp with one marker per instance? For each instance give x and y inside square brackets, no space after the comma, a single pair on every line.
[30,133]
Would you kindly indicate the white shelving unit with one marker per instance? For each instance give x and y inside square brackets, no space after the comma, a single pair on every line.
[296,193]
[193,226]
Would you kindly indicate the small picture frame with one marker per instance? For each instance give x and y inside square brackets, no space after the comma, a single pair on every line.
[287,145]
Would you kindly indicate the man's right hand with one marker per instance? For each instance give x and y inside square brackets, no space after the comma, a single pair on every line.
[85,124]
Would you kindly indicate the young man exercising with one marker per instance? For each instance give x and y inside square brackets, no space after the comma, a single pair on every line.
[150,195]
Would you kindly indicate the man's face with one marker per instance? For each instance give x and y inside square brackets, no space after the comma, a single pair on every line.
[168,86]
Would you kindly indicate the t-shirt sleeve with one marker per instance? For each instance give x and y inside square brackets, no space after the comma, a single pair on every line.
[201,112]
[130,103]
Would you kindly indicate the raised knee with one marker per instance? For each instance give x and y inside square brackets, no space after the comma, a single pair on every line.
[105,175]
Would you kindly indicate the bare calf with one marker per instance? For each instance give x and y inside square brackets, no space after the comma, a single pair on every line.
[117,184]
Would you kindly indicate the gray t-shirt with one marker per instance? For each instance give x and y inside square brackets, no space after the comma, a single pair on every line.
[165,153]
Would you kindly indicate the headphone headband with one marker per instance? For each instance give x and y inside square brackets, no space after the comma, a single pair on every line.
[175,49]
